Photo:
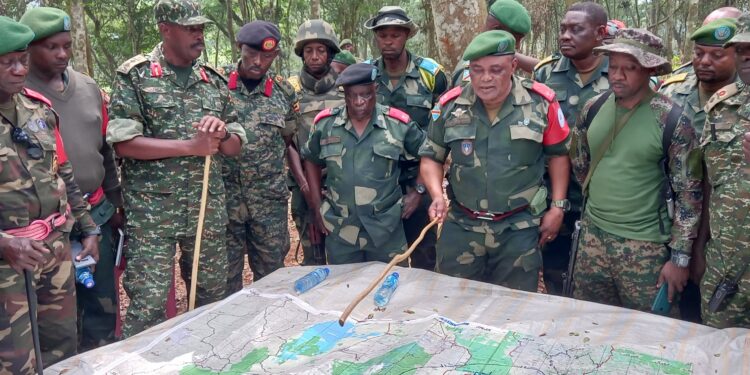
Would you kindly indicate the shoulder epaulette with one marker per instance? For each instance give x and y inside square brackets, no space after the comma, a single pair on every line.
[429,65]
[295,83]
[674,79]
[233,78]
[285,85]
[328,112]
[398,115]
[35,95]
[450,95]
[215,71]
[546,61]
[543,90]
[721,95]
[128,65]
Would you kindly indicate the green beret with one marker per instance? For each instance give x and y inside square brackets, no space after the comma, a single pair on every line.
[513,15]
[45,21]
[16,37]
[491,43]
[715,33]
[345,57]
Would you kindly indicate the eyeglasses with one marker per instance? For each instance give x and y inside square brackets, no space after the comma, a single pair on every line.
[20,137]
[8,63]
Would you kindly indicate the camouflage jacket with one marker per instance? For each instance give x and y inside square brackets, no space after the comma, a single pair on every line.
[685,174]
[362,171]
[497,166]
[268,114]
[683,90]
[728,174]
[35,189]
[162,196]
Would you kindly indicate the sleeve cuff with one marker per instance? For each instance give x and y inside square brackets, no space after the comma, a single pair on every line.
[236,128]
[121,130]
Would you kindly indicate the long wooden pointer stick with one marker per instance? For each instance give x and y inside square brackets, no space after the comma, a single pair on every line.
[199,232]
[397,259]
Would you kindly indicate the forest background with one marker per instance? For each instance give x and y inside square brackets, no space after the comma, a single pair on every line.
[108,32]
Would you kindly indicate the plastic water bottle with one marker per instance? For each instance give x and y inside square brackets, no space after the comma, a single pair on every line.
[85,277]
[310,280]
[385,292]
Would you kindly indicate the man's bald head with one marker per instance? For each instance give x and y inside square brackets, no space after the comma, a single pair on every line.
[723,12]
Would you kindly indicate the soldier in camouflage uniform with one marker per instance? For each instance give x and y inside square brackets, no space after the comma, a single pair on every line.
[169,111]
[728,198]
[341,60]
[576,75]
[316,43]
[715,69]
[630,242]
[723,12]
[39,203]
[498,130]
[360,145]
[257,195]
[412,84]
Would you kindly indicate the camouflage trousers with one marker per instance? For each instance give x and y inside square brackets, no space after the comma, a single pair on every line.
[617,271]
[56,313]
[424,254]
[259,228]
[721,263]
[492,252]
[300,213]
[97,307]
[341,251]
[148,275]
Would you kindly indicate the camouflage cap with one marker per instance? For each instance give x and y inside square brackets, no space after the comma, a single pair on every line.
[345,42]
[715,33]
[644,46]
[392,15]
[181,12]
[513,15]
[316,31]
[742,34]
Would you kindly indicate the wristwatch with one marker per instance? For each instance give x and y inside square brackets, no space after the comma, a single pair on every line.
[420,188]
[94,232]
[562,203]
[680,259]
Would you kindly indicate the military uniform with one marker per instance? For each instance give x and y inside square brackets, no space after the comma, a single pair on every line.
[162,197]
[528,127]
[559,73]
[362,206]
[257,195]
[315,95]
[728,176]
[621,253]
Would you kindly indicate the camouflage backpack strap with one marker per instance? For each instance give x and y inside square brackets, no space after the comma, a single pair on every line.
[131,63]
[295,83]
[721,95]
[674,79]
[546,61]
[428,70]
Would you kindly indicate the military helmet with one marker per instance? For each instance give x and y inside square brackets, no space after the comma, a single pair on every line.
[316,31]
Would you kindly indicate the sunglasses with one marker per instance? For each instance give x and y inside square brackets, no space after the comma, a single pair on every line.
[20,137]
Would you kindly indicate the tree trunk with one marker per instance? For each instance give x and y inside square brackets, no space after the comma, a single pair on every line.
[78,34]
[230,30]
[456,24]
[429,30]
[314,9]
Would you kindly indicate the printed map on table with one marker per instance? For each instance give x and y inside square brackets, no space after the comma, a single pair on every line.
[279,334]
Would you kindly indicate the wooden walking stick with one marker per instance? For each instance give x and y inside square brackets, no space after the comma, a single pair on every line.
[397,259]
[199,232]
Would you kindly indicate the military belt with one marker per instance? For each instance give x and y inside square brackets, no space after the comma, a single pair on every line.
[490,216]
[95,197]
[39,230]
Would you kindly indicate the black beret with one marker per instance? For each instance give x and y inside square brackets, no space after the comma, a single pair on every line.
[261,35]
[357,74]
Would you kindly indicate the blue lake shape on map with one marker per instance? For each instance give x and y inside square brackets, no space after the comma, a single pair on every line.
[319,339]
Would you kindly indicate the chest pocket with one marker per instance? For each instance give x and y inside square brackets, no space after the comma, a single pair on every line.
[212,106]
[385,159]
[526,143]
[419,101]
[160,109]
[723,150]
[273,119]
[460,134]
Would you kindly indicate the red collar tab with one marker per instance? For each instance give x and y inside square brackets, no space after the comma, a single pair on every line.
[204,76]
[269,88]
[156,71]
[233,77]
[35,95]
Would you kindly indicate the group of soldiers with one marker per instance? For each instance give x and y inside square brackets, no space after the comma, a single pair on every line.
[611,182]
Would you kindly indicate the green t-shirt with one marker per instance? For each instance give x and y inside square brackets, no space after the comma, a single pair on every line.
[625,189]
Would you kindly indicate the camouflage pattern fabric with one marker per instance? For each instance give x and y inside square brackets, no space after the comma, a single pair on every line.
[181,12]
[645,47]
[683,90]
[363,201]
[318,31]
[162,197]
[617,271]
[512,148]
[685,172]
[728,175]
[30,190]
[315,95]
[257,194]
